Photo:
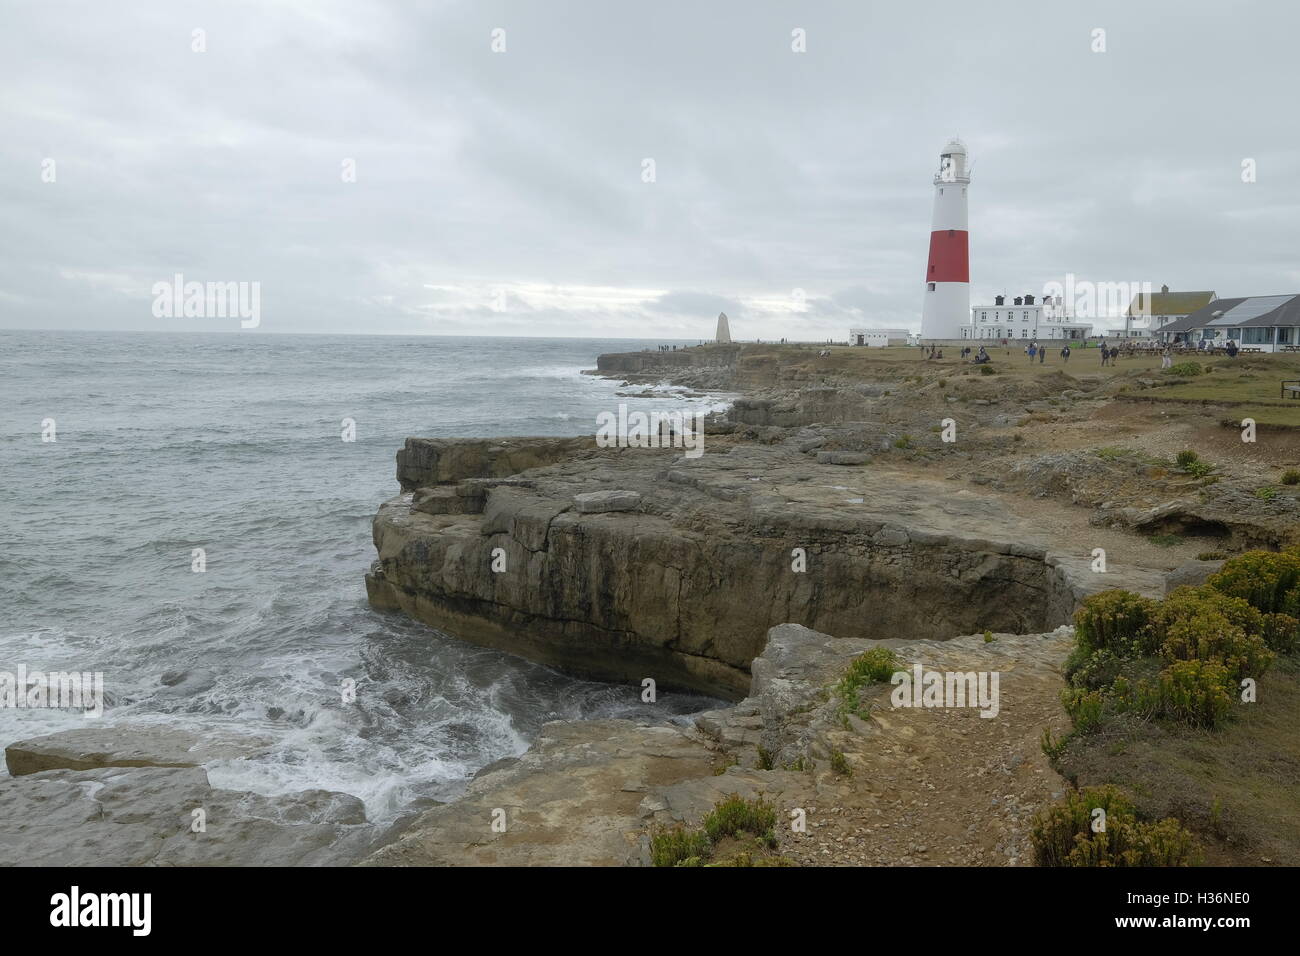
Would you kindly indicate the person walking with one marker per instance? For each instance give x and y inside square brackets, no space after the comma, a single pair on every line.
[1105,355]
[1042,354]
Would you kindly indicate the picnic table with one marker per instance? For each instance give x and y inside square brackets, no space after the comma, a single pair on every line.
[1291,389]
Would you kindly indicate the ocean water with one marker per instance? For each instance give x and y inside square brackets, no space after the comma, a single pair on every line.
[232,443]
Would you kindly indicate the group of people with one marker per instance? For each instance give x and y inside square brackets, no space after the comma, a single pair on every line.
[980,357]
[1034,350]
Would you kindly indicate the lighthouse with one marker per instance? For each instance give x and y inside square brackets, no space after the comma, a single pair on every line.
[946,308]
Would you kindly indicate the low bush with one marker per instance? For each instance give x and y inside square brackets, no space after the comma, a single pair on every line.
[876,666]
[1069,833]
[1196,692]
[677,846]
[1268,581]
[1084,709]
[736,815]
[1115,620]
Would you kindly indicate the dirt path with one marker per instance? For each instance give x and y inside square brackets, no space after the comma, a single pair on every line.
[934,787]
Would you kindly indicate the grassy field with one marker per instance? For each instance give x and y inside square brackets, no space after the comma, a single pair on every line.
[1251,380]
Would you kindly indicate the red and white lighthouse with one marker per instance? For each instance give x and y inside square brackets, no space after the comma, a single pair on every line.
[946,309]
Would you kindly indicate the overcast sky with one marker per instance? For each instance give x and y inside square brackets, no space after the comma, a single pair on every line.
[504,193]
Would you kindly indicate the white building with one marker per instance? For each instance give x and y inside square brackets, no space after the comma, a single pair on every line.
[878,338]
[1025,318]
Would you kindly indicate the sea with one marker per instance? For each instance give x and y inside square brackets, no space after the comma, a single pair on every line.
[128,461]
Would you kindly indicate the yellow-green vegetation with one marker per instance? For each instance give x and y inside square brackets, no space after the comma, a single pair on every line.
[736,832]
[1073,833]
[876,666]
[1291,477]
[678,846]
[1190,462]
[840,764]
[1184,657]
[1160,703]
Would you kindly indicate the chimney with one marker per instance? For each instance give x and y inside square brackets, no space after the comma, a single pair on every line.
[1029,300]
[1019,301]
[1164,288]
[999,299]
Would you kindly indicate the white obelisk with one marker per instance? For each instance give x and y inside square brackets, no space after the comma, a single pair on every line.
[724,331]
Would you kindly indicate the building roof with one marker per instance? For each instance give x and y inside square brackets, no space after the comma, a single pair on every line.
[1254,311]
[1168,303]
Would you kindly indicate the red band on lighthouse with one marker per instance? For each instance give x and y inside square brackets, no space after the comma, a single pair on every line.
[949,256]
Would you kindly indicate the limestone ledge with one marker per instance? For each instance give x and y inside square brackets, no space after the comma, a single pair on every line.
[682,583]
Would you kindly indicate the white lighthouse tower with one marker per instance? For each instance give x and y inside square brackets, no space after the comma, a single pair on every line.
[946,308]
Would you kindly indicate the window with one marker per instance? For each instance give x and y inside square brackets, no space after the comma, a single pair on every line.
[1286,335]
[931,286]
[984,316]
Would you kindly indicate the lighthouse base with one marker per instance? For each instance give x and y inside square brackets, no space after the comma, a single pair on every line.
[946,310]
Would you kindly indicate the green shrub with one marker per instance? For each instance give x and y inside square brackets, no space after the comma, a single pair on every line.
[1083,708]
[840,764]
[1063,834]
[1199,469]
[1196,692]
[1268,581]
[1092,671]
[1186,457]
[1201,623]
[1185,370]
[1116,620]
[1291,477]
[1266,493]
[1055,829]
[1281,632]
[677,846]
[987,370]
[876,666]
[735,815]
[904,441]
[1131,843]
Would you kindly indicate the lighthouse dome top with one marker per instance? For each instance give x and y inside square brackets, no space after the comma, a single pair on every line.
[954,146]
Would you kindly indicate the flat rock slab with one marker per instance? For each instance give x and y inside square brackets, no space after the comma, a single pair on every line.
[599,502]
[144,816]
[97,747]
[573,799]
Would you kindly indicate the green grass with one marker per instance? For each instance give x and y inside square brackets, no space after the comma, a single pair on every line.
[876,666]
[1251,386]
